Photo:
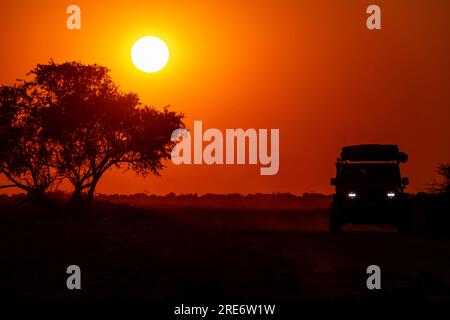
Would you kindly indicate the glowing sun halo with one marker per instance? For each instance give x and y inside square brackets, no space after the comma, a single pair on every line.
[150,54]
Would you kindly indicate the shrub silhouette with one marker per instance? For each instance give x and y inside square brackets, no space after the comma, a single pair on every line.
[76,124]
[444,171]
[441,186]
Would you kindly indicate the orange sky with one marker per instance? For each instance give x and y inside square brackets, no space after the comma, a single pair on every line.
[310,68]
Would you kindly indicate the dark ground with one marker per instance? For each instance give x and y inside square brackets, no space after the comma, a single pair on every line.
[199,255]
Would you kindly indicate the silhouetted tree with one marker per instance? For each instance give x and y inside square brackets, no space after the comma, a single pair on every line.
[26,159]
[80,126]
[97,127]
[442,186]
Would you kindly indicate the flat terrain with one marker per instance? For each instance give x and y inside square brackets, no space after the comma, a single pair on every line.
[200,255]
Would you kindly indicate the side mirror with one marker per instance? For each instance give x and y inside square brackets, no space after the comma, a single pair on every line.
[405,181]
[333,181]
[402,157]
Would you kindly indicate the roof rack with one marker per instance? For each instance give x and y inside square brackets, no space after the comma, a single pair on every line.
[372,153]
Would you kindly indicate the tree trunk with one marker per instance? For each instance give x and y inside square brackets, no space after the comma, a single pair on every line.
[40,199]
[90,194]
[76,197]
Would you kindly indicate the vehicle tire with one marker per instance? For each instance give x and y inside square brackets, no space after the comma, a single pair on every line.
[405,225]
[335,225]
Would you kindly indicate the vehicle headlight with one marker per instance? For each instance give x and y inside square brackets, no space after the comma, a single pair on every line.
[352,195]
[390,195]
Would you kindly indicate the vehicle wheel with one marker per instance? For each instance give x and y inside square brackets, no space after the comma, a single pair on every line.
[335,225]
[405,225]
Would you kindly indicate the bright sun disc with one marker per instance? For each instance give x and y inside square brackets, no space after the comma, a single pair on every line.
[150,54]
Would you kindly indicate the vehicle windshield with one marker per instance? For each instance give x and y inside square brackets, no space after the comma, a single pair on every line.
[370,173]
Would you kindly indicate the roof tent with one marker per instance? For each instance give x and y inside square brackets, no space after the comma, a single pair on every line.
[373,152]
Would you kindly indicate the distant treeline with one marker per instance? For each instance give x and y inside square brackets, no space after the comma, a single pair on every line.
[282,201]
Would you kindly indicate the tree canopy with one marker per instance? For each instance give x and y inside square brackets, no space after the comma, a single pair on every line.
[71,121]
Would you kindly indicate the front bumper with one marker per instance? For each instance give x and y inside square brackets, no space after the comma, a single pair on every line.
[370,211]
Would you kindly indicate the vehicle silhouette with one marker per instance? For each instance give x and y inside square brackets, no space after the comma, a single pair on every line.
[369,188]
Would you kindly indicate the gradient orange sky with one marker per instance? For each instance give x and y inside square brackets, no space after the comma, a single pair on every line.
[310,68]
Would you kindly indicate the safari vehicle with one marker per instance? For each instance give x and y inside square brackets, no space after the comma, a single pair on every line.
[369,188]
